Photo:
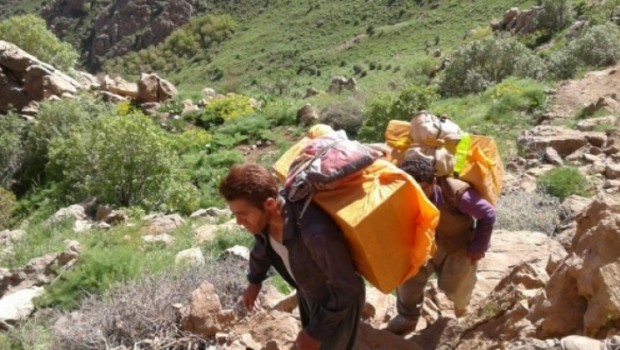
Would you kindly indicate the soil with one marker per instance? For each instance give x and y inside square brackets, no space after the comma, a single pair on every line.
[573,95]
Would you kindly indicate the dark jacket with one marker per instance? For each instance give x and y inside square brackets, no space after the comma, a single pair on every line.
[320,263]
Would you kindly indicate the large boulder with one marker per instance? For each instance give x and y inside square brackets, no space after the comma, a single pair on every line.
[564,140]
[152,88]
[24,78]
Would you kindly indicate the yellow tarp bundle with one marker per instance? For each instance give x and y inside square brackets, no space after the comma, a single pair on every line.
[388,222]
[477,158]
[397,137]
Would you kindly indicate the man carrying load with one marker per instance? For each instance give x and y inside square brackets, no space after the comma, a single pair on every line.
[309,251]
[465,225]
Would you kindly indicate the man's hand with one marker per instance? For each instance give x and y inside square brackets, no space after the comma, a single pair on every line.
[249,296]
[474,257]
[306,342]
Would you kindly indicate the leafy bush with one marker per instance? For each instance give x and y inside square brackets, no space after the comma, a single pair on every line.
[521,211]
[562,182]
[193,139]
[554,15]
[598,46]
[12,153]
[562,64]
[30,33]
[387,107]
[123,161]
[7,200]
[480,64]
[226,108]
[344,115]
[55,120]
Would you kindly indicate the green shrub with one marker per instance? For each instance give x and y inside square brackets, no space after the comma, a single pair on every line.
[344,115]
[55,120]
[562,182]
[562,64]
[194,139]
[7,200]
[598,46]
[30,33]
[122,161]
[480,64]
[554,15]
[12,152]
[387,107]
[226,108]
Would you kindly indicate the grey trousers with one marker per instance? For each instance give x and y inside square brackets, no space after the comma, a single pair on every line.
[345,334]
[456,278]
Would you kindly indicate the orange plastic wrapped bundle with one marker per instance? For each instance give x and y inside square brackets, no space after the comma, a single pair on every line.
[478,162]
[387,220]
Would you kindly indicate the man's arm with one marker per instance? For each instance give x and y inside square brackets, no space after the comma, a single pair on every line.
[328,248]
[257,272]
[259,262]
[480,209]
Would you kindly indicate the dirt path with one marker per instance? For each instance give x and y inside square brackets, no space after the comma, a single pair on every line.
[573,95]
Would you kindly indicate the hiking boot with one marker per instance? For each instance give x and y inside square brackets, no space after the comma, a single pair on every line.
[401,325]
[577,342]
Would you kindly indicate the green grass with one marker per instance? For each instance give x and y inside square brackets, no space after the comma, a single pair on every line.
[501,112]
[270,46]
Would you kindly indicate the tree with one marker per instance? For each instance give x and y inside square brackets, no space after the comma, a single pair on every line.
[30,33]
[121,160]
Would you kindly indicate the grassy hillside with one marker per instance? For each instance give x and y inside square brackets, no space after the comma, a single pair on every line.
[9,8]
[309,43]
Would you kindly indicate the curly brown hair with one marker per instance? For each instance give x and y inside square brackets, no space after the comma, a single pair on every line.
[421,169]
[251,182]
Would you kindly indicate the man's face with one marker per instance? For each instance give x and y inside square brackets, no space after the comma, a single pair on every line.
[250,217]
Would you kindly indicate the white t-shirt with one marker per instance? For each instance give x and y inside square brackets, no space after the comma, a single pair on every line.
[281,250]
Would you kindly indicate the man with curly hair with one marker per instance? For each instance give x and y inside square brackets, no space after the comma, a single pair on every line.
[309,251]
[463,234]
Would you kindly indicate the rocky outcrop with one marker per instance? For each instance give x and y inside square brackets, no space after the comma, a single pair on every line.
[307,115]
[534,305]
[125,26]
[596,154]
[516,21]
[24,78]
[342,83]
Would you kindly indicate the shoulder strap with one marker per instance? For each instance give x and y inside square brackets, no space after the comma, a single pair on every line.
[452,189]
